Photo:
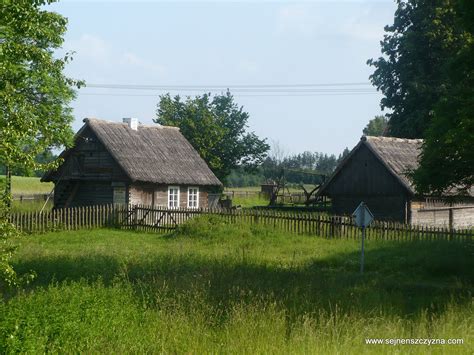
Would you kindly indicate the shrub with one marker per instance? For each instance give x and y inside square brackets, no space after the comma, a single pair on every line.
[9,236]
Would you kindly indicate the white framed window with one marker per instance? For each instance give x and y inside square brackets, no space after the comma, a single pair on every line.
[193,197]
[173,196]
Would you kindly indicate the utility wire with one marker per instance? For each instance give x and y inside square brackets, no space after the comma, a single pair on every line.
[274,90]
[250,90]
[207,87]
[242,95]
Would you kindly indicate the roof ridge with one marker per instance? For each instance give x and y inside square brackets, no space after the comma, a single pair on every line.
[99,120]
[391,139]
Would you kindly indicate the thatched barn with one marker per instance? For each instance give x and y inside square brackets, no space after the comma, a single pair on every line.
[376,172]
[130,163]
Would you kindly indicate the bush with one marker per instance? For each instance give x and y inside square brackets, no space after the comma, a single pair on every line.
[9,236]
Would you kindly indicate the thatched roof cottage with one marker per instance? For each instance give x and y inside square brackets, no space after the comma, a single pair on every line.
[130,163]
[376,172]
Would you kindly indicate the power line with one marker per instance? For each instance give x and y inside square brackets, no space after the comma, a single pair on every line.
[280,90]
[243,95]
[241,90]
[234,86]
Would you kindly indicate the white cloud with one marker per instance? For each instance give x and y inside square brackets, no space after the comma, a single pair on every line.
[297,18]
[132,59]
[89,47]
[364,26]
[96,59]
[356,22]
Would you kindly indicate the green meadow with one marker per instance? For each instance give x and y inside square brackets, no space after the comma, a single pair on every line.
[212,287]
[24,185]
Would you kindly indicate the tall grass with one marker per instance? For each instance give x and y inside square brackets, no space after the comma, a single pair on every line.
[215,287]
[31,205]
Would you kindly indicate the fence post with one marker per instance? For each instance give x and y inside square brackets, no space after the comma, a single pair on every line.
[135,217]
[451,223]
[255,217]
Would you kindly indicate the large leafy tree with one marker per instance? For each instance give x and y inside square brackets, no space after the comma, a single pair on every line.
[34,97]
[217,128]
[447,159]
[34,92]
[42,159]
[410,74]
[378,126]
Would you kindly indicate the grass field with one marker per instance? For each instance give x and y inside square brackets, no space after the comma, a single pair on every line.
[22,185]
[249,201]
[213,287]
[31,205]
[258,188]
[243,189]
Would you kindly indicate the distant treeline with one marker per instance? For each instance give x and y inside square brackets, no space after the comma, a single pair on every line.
[302,168]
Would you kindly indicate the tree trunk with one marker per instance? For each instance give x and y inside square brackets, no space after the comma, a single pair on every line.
[8,186]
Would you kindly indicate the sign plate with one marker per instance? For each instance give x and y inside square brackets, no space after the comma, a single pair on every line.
[363,216]
[119,196]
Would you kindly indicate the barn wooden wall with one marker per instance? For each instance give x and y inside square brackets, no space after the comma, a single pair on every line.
[365,178]
[82,193]
[425,214]
[89,160]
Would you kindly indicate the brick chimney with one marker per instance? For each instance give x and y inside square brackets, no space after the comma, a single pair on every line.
[132,122]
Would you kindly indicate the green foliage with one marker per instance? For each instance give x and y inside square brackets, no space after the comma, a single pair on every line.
[9,236]
[216,128]
[34,93]
[8,276]
[43,159]
[376,127]
[241,177]
[447,159]
[422,40]
[210,287]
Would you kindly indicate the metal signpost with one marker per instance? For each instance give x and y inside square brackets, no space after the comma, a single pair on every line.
[363,218]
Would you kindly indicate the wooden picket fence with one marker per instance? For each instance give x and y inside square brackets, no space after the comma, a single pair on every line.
[145,218]
[65,219]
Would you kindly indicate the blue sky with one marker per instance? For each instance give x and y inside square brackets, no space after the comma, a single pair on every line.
[232,43]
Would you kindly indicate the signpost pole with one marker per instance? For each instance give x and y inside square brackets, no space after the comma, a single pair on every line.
[363,218]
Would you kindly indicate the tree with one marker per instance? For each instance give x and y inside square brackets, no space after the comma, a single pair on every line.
[376,127]
[34,93]
[447,158]
[422,40]
[216,128]
[344,154]
[43,159]
[34,97]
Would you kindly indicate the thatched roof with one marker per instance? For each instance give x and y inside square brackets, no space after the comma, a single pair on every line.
[153,153]
[398,155]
